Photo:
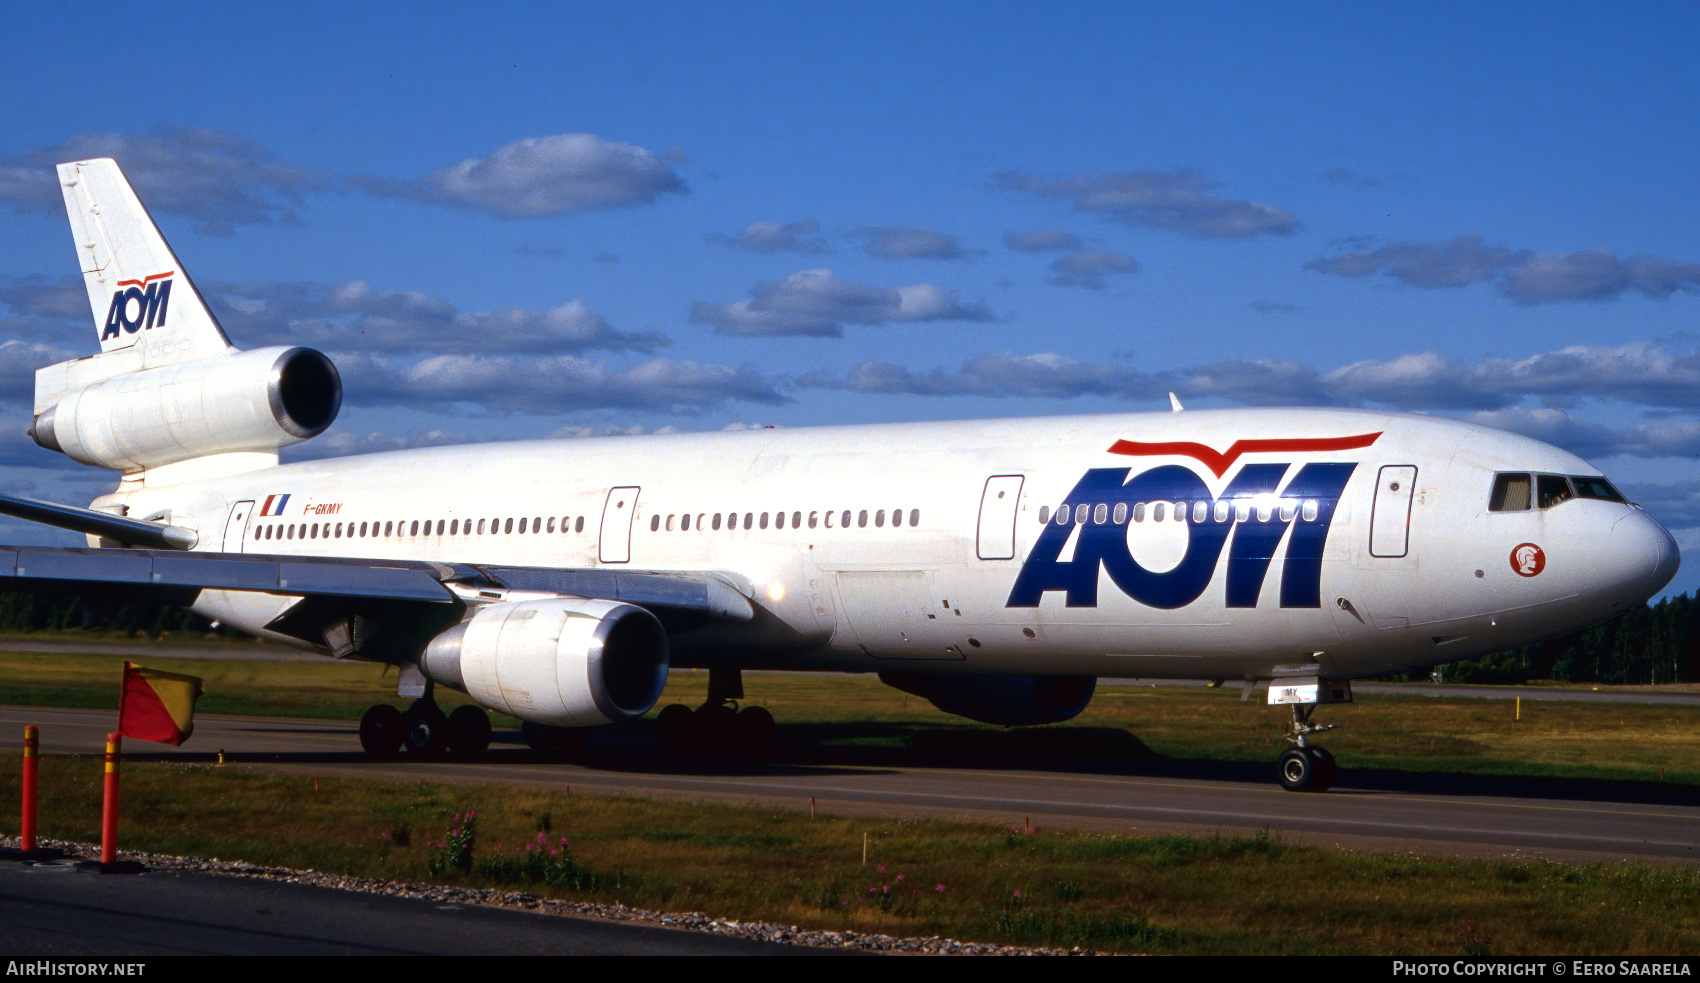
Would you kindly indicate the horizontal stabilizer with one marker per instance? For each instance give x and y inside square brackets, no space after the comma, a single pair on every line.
[134,532]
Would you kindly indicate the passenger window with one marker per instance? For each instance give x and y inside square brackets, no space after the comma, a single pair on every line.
[670,519]
[1287,510]
[565,519]
[480,527]
[578,524]
[1100,514]
[1309,512]
[914,517]
[763,521]
[508,527]
[862,519]
[829,516]
[1062,515]
[1080,513]
[1264,511]
[896,518]
[879,519]
[389,528]
[844,520]
[1157,511]
[454,527]
[1221,510]
[1044,514]
[1200,512]
[536,524]
[685,522]
[717,520]
[654,523]
[796,520]
[1242,510]
[1120,515]
[747,517]
[439,527]
[779,520]
[1553,488]
[551,523]
[522,526]
[1510,493]
[812,518]
[1139,511]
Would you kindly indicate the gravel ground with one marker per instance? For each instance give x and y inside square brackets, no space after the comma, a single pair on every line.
[694,921]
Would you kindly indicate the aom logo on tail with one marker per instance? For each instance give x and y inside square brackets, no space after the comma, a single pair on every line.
[1250,518]
[138,305]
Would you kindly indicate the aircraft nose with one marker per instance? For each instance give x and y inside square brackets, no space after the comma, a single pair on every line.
[1644,553]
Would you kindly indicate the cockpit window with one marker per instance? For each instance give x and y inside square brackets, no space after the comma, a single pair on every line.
[1510,493]
[1592,487]
[1553,488]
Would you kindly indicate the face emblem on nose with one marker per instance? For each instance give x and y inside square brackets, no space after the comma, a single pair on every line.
[1528,560]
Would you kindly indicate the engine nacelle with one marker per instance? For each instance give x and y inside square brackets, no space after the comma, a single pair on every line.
[566,662]
[1011,701]
[256,400]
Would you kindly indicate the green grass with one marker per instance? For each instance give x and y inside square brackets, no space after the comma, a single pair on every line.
[1563,740]
[1179,894]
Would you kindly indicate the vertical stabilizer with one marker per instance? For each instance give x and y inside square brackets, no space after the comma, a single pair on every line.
[141,298]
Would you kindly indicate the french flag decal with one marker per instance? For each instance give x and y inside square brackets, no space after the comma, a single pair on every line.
[274,504]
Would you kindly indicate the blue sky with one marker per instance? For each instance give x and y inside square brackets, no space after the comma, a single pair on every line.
[518,220]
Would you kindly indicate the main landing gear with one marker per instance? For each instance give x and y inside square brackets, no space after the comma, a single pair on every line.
[718,728]
[1306,767]
[424,730]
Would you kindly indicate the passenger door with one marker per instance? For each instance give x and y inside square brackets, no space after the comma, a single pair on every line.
[236,527]
[1390,515]
[999,504]
[615,542]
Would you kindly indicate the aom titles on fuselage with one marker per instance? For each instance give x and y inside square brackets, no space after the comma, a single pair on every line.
[995,567]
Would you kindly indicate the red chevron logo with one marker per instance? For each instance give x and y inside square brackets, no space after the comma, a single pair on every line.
[1219,461]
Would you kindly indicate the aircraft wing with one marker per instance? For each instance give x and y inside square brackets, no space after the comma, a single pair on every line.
[344,599]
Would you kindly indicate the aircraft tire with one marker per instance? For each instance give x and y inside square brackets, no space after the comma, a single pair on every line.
[715,728]
[1298,770]
[469,732]
[381,731]
[755,732]
[1326,771]
[425,732]
[673,728]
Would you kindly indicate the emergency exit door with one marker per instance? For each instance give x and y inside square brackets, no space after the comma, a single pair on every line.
[615,543]
[1390,517]
[999,504]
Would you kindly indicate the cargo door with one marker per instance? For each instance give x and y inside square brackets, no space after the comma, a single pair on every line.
[999,504]
[1390,516]
[236,527]
[615,544]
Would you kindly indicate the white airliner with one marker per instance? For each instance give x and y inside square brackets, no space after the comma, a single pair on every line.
[994,567]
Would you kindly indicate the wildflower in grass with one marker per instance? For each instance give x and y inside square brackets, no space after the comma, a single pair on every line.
[385,836]
[939,889]
[900,878]
[885,888]
[881,868]
[1018,892]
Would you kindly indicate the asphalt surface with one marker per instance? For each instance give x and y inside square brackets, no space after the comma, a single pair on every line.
[1602,694]
[1429,813]
[49,911]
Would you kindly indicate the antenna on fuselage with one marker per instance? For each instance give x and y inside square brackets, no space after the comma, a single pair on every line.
[1175,403]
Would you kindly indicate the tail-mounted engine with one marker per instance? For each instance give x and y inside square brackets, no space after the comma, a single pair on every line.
[256,400]
[566,662]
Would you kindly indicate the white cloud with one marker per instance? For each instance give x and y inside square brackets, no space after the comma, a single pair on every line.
[542,176]
[775,237]
[1088,268]
[1177,202]
[814,303]
[911,244]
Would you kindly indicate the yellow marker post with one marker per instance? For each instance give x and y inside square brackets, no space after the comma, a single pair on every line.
[1519,716]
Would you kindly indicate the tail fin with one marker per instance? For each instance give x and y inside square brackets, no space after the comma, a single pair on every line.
[140,295]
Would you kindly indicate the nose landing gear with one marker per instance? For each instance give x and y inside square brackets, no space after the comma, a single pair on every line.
[1307,767]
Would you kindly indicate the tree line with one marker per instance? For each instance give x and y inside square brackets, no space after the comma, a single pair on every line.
[1657,643]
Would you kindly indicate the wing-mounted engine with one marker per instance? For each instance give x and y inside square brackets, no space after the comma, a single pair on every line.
[565,662]
[256,400]
[1010,701]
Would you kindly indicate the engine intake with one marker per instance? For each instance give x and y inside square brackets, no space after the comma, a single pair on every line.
[1011,701]
[241,401]
[566,662]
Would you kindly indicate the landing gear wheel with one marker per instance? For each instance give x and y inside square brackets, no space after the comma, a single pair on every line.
[380,731]
[1302,769]
[469,732]
[554,740]
[673,728]
[716,728]
[755,730]
[425,731]
[1326,771]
